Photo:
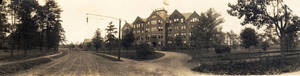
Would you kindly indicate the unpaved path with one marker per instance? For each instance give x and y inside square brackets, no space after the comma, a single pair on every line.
[84,63]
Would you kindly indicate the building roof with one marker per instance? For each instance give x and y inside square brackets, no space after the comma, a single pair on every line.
[127,25]
[187,15]
[144,19]
[139,19]
[176,13]
[161,13]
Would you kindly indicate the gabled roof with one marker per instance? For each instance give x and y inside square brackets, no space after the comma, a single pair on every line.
[193,15]
[161,13]
[139,19]
[127,25]
[187,15]
[176,13]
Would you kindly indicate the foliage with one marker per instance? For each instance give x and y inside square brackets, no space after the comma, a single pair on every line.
[4,26]
[54,30]
[249,37]
[265,45]
[111,41]
[233,39]
[35,25]
[222,49]
[144,50]
[98,40]
[178,41]
[266,13]
[207,29]
[128,39]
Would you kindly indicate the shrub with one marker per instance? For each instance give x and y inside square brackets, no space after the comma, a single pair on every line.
[144,50]
[222,49]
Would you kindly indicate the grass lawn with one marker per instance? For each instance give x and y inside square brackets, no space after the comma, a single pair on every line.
[18,55]
[215,63]
[267,67]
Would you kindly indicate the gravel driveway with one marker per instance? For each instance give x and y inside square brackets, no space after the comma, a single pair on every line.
[85,63]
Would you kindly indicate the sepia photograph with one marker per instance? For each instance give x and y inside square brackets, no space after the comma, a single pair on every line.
[149,37]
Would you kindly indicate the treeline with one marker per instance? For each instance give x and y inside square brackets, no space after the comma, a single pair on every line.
[110,41]
[32,26]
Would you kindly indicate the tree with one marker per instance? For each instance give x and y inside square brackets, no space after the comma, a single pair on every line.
[207,29]
[53,28]
[26,30]
[178,41]
[266,13]
[98,40]
[128,39]
[4,26]
[249,37]
[233,39]
[111,41]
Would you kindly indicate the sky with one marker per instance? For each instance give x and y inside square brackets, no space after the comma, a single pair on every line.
[77,29]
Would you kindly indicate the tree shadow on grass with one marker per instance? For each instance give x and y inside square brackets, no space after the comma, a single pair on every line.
[155,55]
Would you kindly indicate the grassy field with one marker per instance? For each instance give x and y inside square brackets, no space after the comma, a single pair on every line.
[5,56]
[244,62]
[268,67]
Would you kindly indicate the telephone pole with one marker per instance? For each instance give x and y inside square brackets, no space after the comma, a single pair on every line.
[120,21]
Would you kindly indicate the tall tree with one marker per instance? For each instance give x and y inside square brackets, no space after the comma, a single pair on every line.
[249,37]
[128,39]
[111,38]
[266,13]
[54,30]
[98,40]
[207,28]
[4,26]
[26,30]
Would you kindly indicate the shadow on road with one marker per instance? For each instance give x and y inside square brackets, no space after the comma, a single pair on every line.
[108,57]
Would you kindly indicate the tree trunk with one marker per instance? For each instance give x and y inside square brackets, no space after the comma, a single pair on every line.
[283,45]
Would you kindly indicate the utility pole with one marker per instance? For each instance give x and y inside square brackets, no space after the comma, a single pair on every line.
[119,54]
[119,41]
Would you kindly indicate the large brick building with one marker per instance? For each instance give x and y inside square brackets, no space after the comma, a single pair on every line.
[154,29]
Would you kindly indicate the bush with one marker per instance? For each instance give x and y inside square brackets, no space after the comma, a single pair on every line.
[222,49]
[144,50]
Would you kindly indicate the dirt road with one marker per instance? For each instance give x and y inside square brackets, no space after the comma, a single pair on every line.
[84,63]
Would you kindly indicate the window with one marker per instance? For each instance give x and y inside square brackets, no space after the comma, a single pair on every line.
[194,20]
[160,28]
[184,42]
[169,42]
[153,22]
[154,29]
[147,29]
[182,20]
[183,27]
[170,29]
[160,36]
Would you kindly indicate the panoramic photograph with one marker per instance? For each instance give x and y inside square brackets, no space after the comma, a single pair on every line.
[149,37]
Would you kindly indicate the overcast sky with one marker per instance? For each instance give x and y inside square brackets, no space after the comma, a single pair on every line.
[77,29]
